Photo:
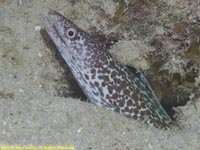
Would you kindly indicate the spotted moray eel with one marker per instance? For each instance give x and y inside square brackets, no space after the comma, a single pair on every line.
[104,81]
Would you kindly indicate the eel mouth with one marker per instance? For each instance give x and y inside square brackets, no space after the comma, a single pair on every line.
[53,18]
[51,26]
[50,21]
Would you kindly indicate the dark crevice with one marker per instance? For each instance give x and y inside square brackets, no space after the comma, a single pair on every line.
[169,106]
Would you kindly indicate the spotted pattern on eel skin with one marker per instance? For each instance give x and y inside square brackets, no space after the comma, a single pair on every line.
[104,81]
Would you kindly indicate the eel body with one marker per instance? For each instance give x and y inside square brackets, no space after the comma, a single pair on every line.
[104,81]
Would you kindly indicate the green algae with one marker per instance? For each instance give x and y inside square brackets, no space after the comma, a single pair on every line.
[11,54]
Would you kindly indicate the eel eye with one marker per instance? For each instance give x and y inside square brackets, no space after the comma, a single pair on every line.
[71,33]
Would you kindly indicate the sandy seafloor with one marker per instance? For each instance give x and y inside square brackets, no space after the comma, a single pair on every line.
[31,111]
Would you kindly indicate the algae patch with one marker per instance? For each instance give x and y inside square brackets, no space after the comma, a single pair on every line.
[12,55]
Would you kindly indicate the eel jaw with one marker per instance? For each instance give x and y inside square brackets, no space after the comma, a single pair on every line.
[49,23]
